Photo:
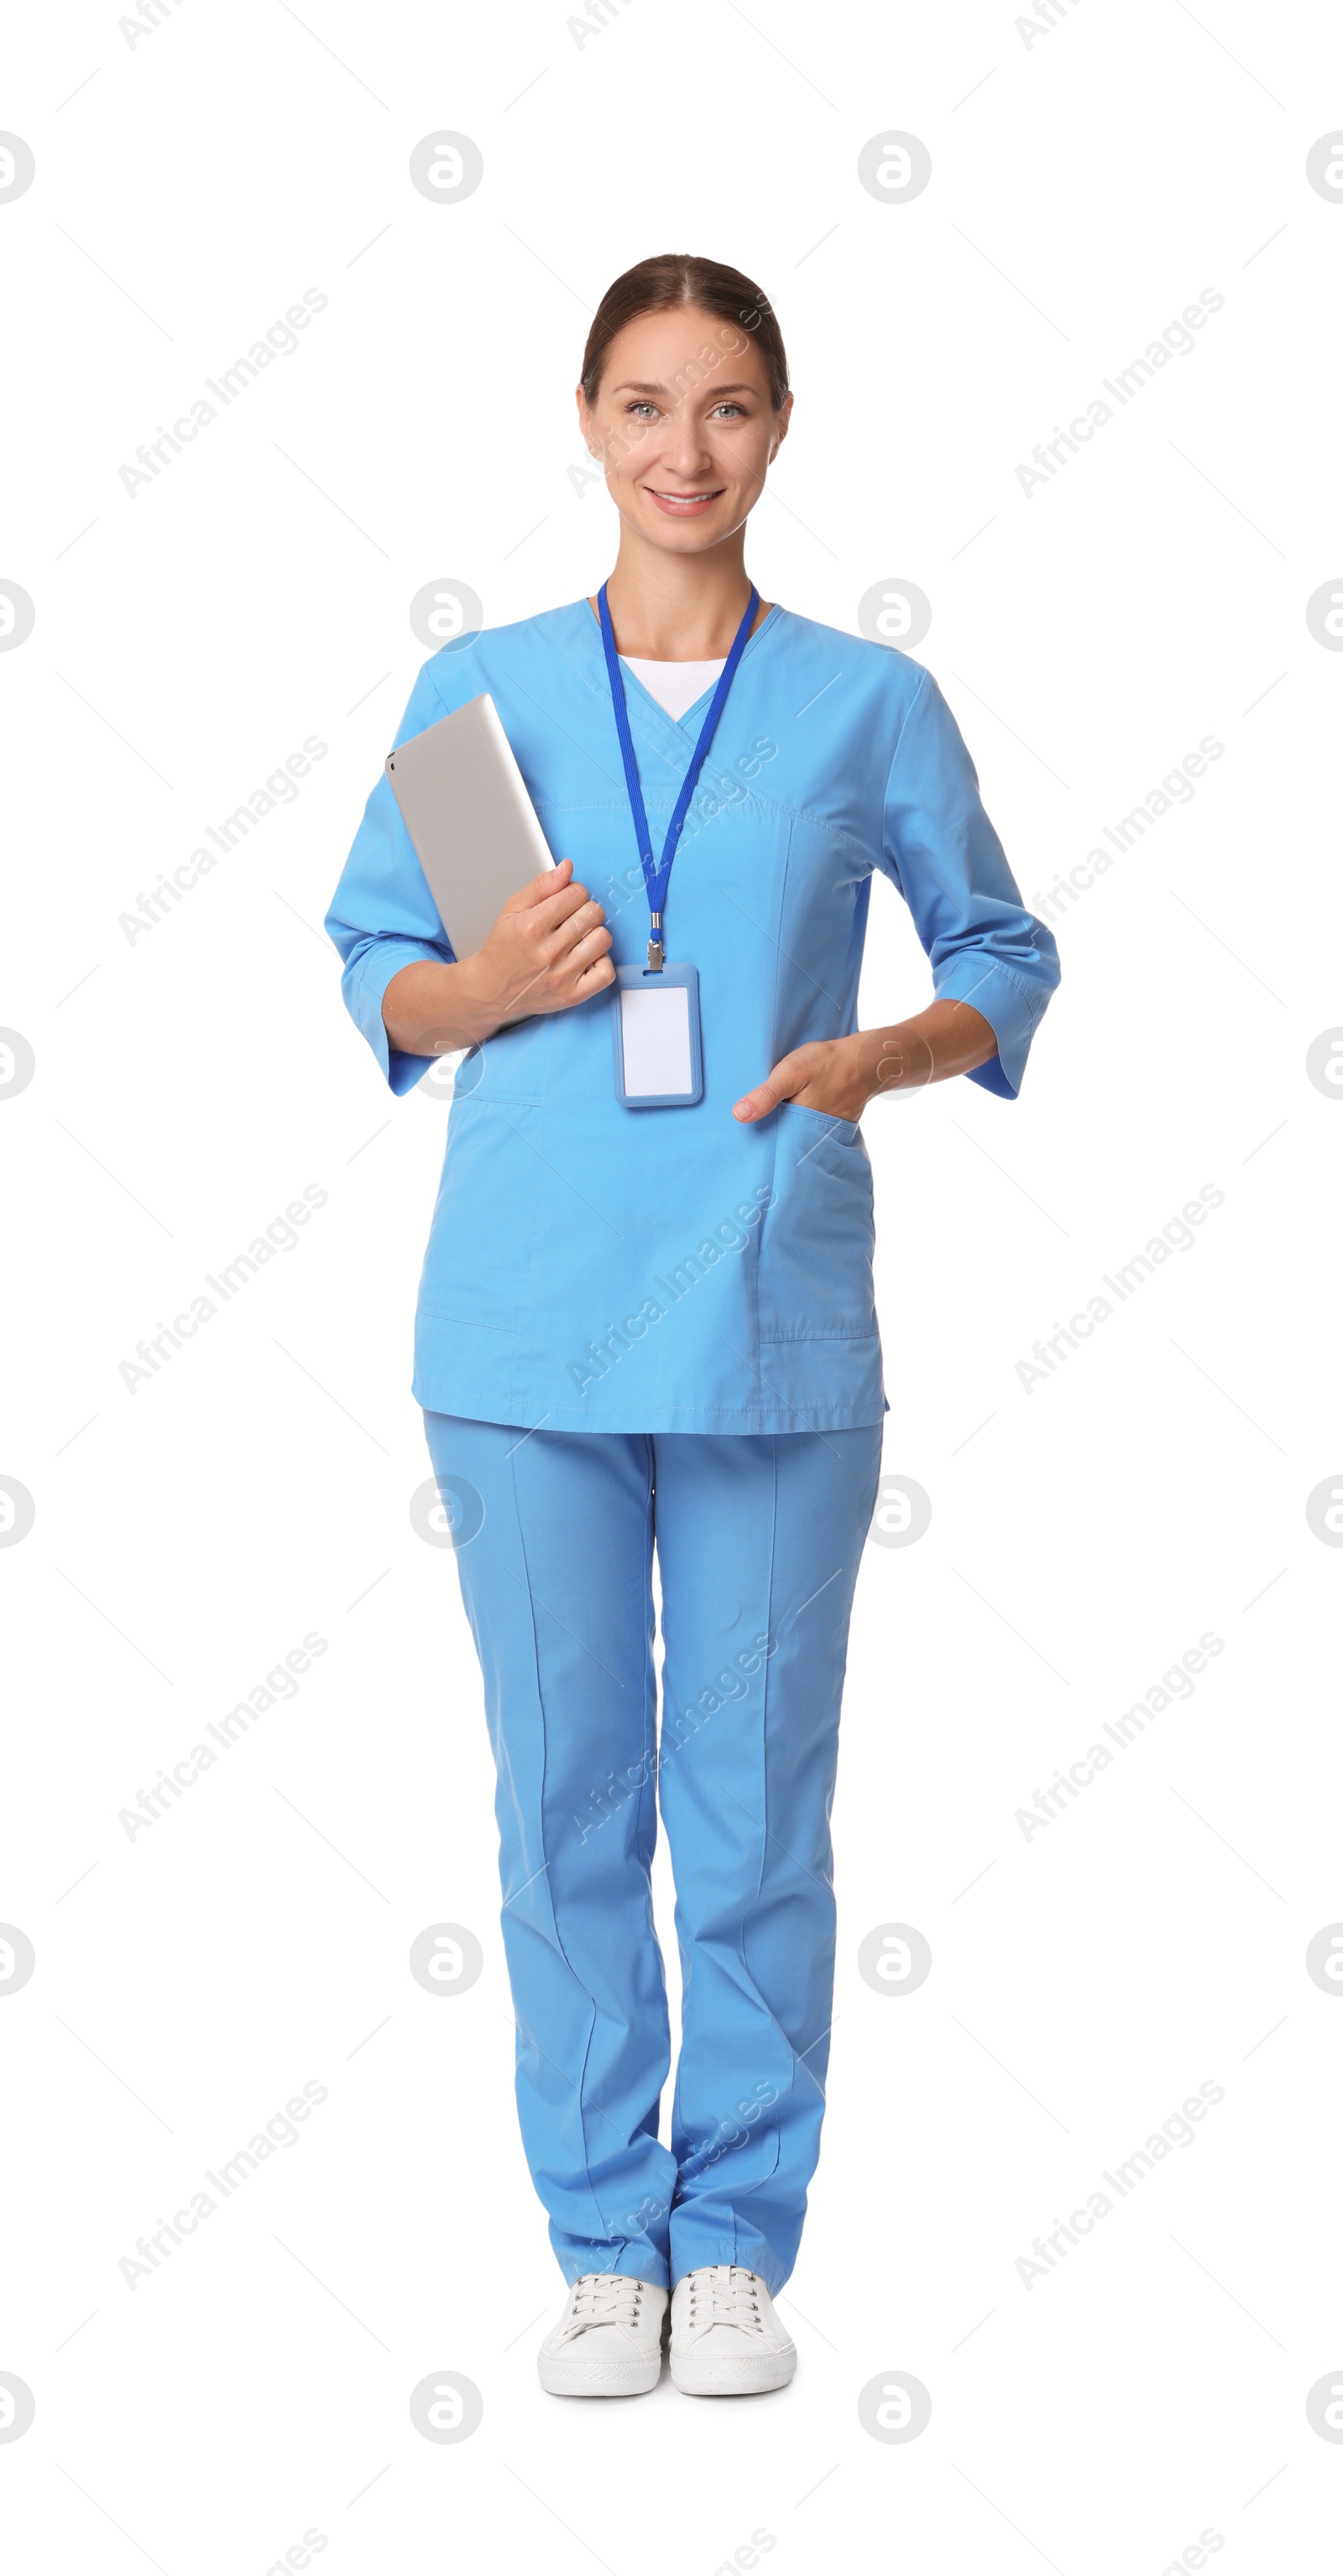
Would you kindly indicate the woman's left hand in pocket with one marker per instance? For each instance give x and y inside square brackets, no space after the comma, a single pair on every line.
[830,1075]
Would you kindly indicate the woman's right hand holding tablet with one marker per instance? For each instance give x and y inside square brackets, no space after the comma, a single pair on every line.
[549,949]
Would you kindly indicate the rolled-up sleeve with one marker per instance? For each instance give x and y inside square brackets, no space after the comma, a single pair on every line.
[943,853]
[382,915]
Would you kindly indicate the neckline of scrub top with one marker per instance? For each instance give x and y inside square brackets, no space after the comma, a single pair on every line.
[659,678]
[665,730]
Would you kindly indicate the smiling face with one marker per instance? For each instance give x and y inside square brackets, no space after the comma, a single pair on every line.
[685,427]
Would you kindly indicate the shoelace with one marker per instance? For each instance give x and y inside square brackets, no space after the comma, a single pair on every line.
[603,2299]
[722,2296]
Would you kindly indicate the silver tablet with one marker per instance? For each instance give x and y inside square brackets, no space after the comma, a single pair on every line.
[473,825]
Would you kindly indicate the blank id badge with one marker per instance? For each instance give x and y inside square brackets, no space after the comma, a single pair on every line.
[655,1035]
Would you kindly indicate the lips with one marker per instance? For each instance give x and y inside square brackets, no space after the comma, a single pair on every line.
[684,505]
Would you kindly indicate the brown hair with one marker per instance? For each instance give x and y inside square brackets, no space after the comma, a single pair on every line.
[675,277]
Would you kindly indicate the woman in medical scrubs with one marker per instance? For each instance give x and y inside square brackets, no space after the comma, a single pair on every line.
[651,1327]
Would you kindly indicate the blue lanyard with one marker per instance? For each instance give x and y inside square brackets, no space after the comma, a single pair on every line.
[656,877]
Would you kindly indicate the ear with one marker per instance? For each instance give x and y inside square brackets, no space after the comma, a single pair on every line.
[587,426]
[781,429]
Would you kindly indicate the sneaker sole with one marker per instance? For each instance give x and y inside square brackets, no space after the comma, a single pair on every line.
[562,2377]
[746,2375]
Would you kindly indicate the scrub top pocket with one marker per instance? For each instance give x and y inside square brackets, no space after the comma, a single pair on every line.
[817,1238]
[472,1273]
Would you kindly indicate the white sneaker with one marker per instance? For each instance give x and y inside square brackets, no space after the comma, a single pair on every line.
[726,2340]
[608,2343]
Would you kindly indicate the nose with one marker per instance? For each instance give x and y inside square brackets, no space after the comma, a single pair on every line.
[686,452]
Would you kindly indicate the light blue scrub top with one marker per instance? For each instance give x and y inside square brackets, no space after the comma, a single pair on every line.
[597,1268]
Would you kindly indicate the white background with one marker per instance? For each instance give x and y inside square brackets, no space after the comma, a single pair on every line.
[1086,186]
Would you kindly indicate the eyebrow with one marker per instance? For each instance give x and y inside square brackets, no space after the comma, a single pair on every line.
[634,388]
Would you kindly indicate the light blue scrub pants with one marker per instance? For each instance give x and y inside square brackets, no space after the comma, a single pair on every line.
[758,1541]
